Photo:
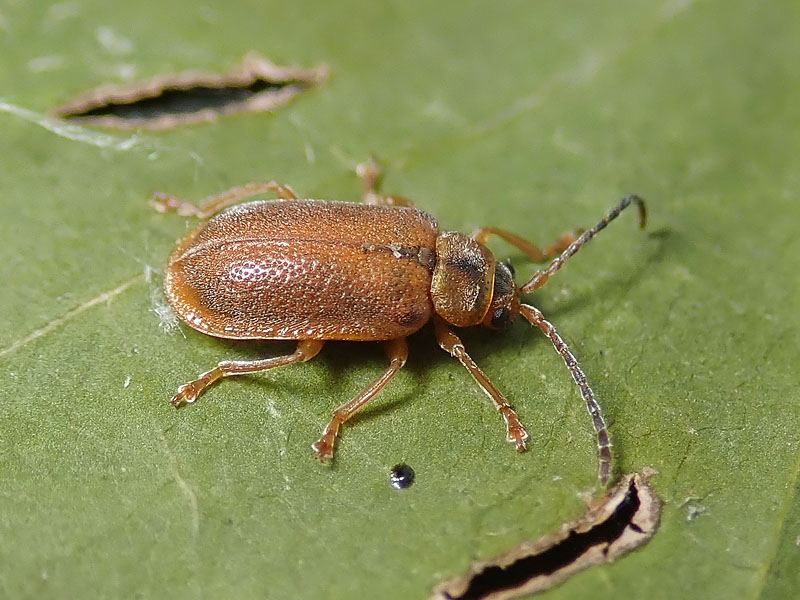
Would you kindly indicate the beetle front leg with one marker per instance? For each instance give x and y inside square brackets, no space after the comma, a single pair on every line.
[188,393]
[540,277]
[210,206]
[397,350]
[533,252]
[370,174]
[452,344]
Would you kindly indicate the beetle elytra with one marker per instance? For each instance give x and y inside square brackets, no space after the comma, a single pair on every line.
[315,270]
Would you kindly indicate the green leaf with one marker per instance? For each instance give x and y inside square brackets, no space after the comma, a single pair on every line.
[536,117]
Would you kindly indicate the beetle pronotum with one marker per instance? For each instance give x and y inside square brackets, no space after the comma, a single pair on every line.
[314,270]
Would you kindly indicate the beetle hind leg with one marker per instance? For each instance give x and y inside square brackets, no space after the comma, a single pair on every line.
[532,251]
[188,393]
[452,344]
[397,350]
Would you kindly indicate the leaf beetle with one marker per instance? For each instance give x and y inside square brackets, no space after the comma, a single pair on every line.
[317,270]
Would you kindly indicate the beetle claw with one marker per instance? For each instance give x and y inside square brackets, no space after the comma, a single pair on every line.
[518,436]
[323,448]
[187,394]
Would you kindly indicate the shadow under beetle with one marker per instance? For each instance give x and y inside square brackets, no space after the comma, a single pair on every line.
[315,270]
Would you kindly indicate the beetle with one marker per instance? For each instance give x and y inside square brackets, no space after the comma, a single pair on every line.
[316,270]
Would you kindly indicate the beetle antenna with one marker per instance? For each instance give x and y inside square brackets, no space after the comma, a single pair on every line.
[535,317]
[541,277]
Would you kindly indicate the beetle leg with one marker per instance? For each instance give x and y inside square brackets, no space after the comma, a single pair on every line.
[190,392]
[535,317]
[540,277]
[533,252]
[397,350]
[370,174]
[451,343]
[212,205]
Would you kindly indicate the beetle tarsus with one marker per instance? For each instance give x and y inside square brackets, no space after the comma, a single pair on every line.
[187,394]
[519,437]
[516,432]
[164,202]
[324,447]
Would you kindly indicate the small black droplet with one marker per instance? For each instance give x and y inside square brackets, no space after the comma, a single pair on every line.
[401,476]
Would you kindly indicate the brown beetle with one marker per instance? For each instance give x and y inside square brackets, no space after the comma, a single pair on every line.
[313,270]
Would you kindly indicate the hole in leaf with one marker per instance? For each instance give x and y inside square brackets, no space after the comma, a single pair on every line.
[256,85]
[626,518]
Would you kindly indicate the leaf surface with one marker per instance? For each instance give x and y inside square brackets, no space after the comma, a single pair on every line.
[535,117]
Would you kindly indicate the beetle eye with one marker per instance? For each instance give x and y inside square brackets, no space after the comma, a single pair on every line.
[500,317]
[507,264]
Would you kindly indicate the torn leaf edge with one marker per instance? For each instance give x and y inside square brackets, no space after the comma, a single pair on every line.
[645,520]
[252,68]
